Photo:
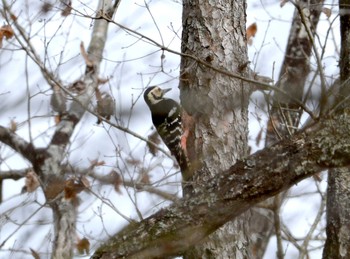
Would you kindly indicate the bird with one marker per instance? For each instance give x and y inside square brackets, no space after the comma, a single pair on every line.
[166,117]
[105,106]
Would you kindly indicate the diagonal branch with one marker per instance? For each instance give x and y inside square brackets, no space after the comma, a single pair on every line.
[13,174]
[274,169]
[17,143]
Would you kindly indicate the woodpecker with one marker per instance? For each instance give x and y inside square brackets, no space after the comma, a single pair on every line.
[166,117]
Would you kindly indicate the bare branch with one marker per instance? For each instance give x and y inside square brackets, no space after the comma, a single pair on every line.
[305,244]
[259,84]
[140,187]
[13,174]
[276,168]
[17,143]
[106,179]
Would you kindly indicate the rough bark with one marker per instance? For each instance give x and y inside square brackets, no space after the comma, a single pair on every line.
[344,62]
[337,245]
[217,102]
[171,231]
[214,31]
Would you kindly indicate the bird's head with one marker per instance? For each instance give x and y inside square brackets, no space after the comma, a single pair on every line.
[154,94]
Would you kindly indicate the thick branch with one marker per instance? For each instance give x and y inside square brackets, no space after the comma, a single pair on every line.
[13,174]
[17,143]
[173,230]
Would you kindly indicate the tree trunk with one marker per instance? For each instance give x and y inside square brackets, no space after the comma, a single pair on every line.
[214,31]
[338,193]
[338,210]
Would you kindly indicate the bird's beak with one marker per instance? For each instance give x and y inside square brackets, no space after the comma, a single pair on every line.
[166,90]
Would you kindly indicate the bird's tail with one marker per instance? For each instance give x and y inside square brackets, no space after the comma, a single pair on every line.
[183,161]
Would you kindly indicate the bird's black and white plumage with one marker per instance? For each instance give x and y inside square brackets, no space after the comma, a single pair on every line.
[166,117]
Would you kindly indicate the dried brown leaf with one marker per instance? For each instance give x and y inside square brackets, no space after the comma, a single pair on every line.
[116,180]
[145,179]
[83,52]
[94,163]
[31,181]
[317,177]
[133,161]
[69,191]
[251,31]
[46,7]
[283,2]
[83,246]
[7,32]
[153,137]
[34,253]
[272,125]
[68,9]
[13,17]
[54,187]
[57,119]
[73,187]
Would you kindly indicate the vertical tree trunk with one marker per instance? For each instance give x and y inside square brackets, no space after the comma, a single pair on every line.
[338,193]
[214,31]
[64,216]
[338,210]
